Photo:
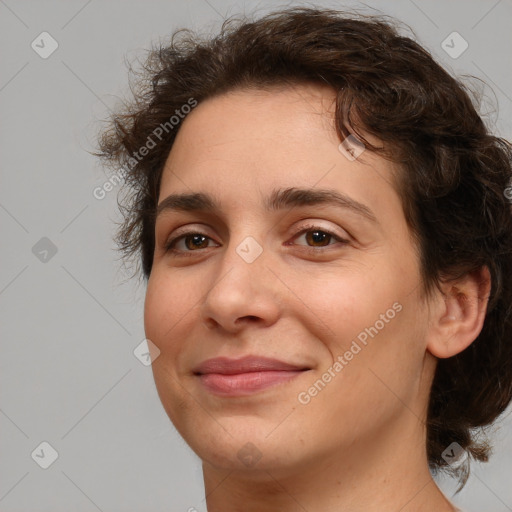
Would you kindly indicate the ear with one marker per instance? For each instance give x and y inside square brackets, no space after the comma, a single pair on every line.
[457,317]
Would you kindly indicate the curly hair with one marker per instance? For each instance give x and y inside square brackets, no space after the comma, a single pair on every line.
[454,183]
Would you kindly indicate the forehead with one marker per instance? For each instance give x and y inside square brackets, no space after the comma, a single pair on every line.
[244,142]
[284,110]
[255,126]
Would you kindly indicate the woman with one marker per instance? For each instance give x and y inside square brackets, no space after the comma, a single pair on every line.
[323,224]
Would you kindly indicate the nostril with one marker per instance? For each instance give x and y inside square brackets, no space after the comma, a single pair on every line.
[247,318]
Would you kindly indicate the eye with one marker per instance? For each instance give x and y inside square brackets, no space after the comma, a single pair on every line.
[317,237]
[190,242]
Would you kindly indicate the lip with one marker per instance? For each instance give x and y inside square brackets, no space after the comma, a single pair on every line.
[247,364]
[247,375]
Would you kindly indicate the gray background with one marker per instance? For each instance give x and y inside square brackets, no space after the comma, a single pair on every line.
[69,324]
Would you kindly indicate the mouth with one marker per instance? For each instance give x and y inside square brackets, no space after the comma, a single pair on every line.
[241,377]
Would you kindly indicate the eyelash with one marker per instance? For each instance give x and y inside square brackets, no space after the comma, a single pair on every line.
[168,247]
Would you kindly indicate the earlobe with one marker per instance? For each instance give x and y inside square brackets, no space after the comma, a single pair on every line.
[459,315]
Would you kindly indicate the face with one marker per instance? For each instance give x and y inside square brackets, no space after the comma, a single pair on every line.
[286,304]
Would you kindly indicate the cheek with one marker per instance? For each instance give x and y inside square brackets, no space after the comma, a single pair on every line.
[163,309]
[153,311]
[377,324]
[346,303]
[377,377]
[165,304]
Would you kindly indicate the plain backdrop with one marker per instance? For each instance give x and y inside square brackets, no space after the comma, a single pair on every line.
[69,325]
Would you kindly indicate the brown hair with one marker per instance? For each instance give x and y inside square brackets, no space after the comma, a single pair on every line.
[453,183]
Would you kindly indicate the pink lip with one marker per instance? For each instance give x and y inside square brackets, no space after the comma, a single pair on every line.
[238,377]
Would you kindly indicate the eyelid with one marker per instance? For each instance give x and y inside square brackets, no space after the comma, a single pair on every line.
[312,226]
[188,229]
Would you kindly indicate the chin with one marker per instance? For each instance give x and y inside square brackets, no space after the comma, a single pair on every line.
[249,448]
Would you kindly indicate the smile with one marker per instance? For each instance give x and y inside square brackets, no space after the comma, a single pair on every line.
[242,377]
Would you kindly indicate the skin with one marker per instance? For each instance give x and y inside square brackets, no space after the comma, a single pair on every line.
[359,443]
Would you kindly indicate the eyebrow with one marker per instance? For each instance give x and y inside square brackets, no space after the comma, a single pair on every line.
[279,199]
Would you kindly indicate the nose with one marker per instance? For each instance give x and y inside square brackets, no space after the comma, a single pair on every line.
[243,293]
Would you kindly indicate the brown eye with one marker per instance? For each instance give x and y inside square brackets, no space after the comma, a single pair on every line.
[318,238]
[191,242]
[196,241]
